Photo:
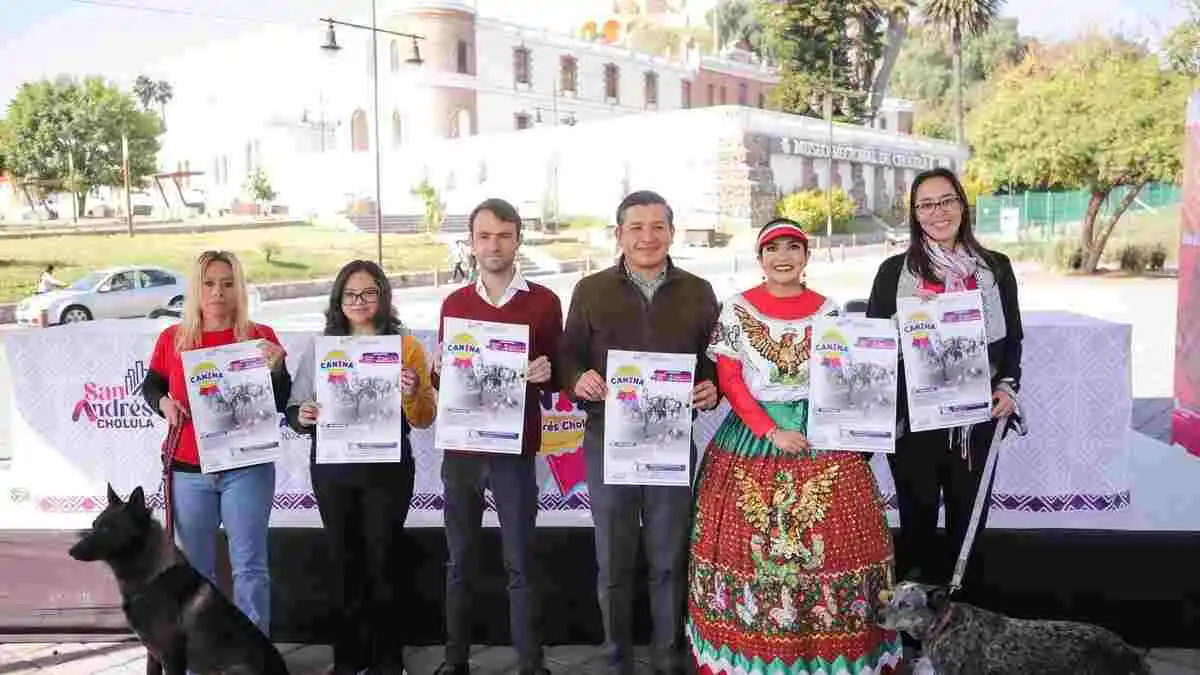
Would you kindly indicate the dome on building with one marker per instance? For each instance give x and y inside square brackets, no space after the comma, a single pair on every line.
[402,6]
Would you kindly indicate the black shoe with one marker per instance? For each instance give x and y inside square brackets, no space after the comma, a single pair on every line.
[447,669]
[540,670]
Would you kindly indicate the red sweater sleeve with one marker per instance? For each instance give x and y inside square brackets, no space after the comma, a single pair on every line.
[729,376]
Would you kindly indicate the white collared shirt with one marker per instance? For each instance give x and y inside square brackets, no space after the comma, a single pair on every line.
[514,286]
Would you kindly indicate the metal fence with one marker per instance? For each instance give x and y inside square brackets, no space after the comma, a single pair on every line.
[1046,215]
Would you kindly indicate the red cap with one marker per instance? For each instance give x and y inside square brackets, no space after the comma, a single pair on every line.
[777,229]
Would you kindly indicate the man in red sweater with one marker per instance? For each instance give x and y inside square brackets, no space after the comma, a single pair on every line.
[500,295]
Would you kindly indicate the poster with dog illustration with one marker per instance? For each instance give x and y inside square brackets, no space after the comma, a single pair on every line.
[648,418]
[357,386]
[481,402]
[944,344]
[232,405]
[852,400]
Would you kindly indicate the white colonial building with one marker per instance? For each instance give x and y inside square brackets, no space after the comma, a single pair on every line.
[465,120]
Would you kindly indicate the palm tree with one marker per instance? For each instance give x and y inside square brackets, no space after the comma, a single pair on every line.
[163,93]
[149,92]
[144,90]
[962,18]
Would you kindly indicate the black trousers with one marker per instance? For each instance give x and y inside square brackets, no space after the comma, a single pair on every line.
[928,468]
[627,517]
[363,508]
[513,483]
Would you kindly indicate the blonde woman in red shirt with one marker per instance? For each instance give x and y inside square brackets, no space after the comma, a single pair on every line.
[216,313]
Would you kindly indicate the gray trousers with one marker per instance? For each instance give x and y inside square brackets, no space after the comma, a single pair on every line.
[661,518]
[513,482]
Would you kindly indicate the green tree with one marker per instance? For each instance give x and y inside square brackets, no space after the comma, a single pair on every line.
[1097,114]
[258,186]
[802,36]
[435,210]
[5,141]
[1181,48]
[895,17]
[69,132]
[737,24]
[961,19]
[925,71]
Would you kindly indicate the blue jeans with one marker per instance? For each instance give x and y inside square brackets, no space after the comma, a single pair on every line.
[241,499]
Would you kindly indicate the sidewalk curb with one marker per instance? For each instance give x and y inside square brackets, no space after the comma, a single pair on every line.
[290,290]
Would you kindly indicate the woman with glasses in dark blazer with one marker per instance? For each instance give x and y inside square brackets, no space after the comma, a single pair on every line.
[947,464]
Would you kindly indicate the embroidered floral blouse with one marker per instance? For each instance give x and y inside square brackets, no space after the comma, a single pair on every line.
[761,345]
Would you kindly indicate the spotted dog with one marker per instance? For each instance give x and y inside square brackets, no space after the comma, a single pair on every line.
[960,639]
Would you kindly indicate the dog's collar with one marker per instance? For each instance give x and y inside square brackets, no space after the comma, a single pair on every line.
[940,624]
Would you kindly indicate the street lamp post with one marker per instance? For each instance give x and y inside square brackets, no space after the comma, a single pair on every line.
[829,175]
[332,47]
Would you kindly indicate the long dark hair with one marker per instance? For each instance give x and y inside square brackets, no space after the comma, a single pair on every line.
[918,259]
[386,321]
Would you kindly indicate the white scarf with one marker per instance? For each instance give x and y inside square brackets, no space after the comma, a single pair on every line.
[952,266]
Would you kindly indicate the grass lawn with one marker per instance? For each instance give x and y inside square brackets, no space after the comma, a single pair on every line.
[304,252]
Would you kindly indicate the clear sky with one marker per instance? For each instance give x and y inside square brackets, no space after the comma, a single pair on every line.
[121,38]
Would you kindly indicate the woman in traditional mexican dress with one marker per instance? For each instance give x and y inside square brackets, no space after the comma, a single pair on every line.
[790,546]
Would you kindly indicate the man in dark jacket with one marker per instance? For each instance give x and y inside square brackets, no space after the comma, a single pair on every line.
[643,303]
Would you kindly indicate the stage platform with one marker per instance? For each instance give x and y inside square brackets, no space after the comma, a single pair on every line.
[1136,571]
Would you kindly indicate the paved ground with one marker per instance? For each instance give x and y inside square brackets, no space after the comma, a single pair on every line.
[127,659]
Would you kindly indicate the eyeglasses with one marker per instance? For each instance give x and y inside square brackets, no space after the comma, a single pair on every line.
[945,205]
[369,296]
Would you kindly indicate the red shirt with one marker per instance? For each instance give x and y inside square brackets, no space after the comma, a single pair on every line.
[540,309]
[939,288]
[166,362]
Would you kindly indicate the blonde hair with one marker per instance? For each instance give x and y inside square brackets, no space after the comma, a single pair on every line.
[191,324]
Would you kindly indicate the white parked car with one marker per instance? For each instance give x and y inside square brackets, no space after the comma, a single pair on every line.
[115,293]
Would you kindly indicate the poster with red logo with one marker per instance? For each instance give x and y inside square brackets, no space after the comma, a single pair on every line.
[1185,427]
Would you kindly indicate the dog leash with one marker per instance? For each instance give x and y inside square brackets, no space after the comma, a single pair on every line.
[169,447]
[1011,422]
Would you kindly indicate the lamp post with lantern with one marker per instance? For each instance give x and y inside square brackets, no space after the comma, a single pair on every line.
[332,47]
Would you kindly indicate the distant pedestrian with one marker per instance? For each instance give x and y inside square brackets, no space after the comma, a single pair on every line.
[47,282]
[461,265]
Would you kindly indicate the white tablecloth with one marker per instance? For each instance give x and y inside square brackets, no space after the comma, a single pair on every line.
[78,423]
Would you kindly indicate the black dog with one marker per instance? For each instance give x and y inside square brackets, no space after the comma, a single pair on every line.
[960,639]
[184,622]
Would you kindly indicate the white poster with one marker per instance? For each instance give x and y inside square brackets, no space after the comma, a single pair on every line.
[232,406]
[481,401]
[357,385]
[648,418]
[852,398]
[945,360]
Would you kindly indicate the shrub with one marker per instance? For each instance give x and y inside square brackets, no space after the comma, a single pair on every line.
[1157,258]
[1066,255]
[809,208]
[1133,258]
[270,249]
